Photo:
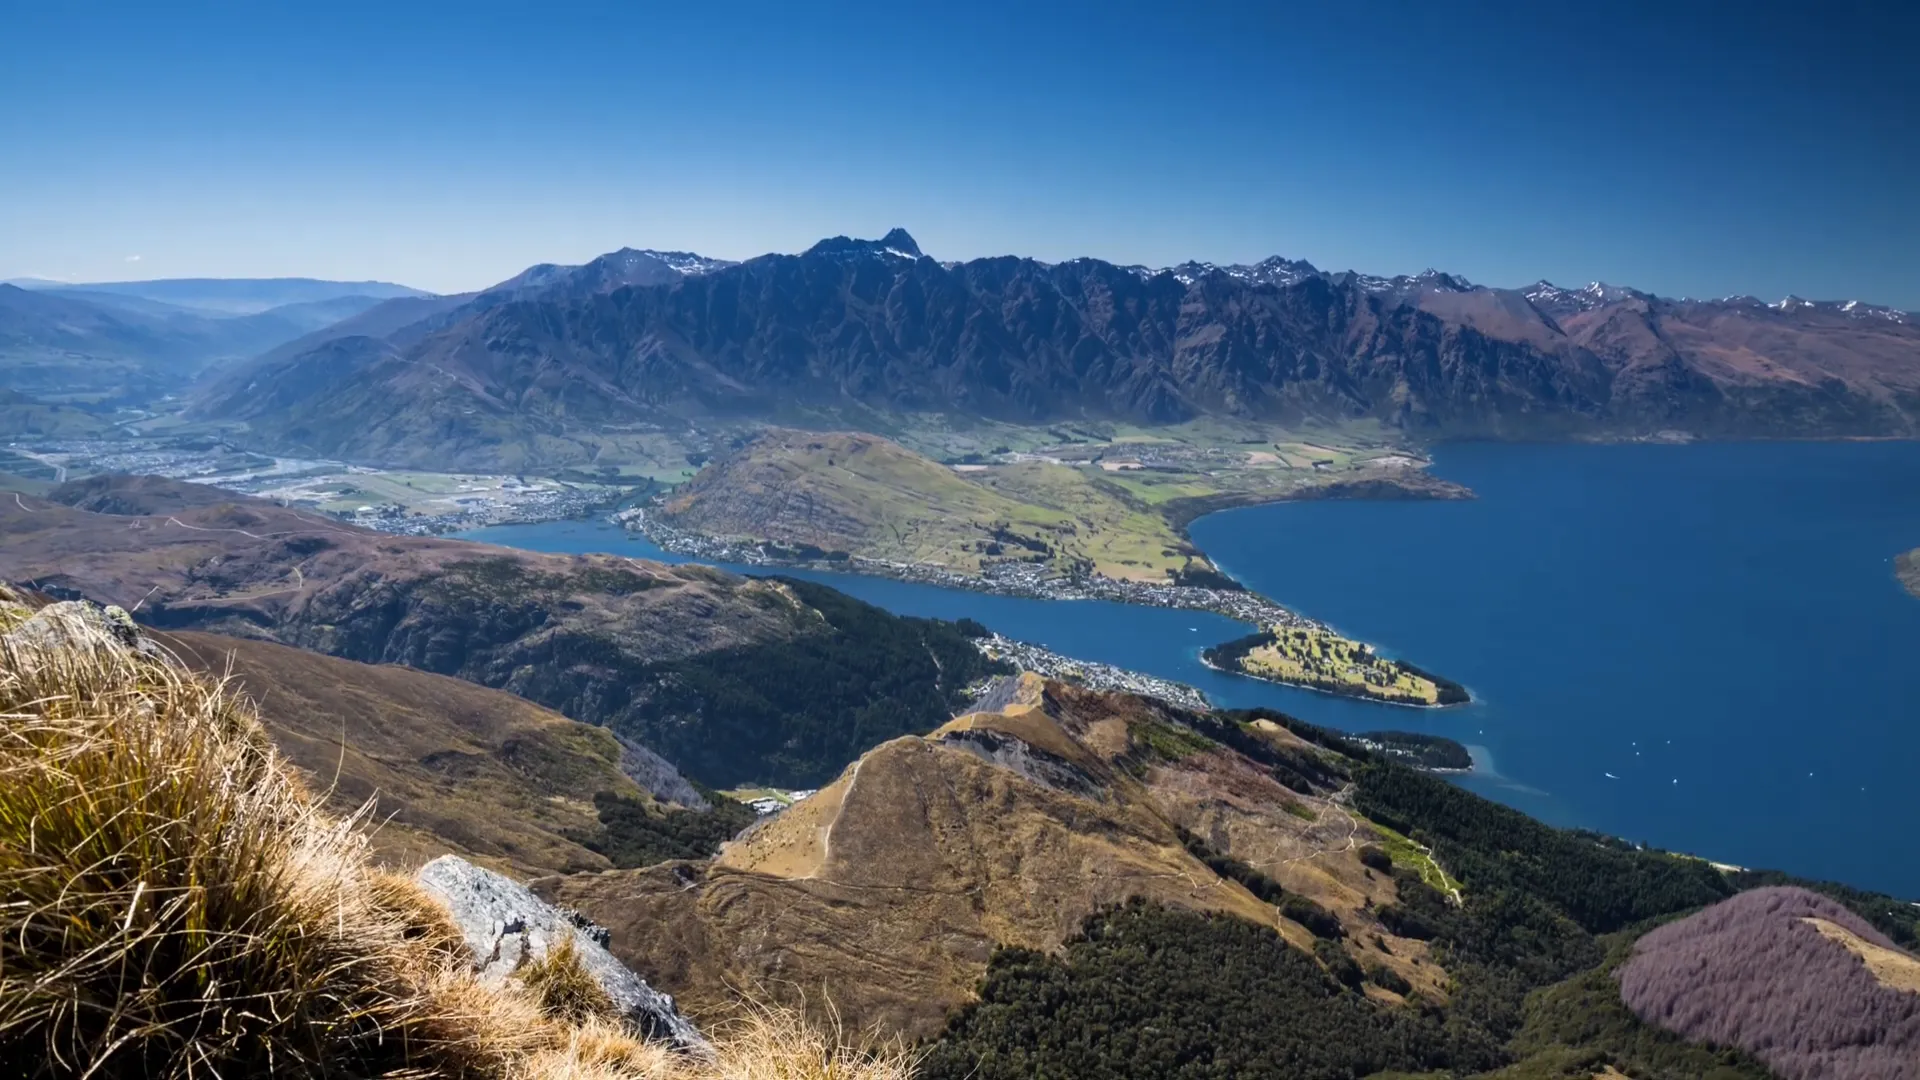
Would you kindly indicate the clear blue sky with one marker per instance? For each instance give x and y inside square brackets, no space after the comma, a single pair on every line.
[1690,148]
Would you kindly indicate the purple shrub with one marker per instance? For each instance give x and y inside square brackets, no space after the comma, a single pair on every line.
[1748,973]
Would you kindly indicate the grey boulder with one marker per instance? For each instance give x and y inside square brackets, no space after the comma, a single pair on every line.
[507,926]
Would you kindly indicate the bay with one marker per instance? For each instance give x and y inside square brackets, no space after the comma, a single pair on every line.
[1717,626]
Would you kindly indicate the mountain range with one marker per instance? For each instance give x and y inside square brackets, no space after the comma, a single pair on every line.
[131,342]
[220,296]
[852,326]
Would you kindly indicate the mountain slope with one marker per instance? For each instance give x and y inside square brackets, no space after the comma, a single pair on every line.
[889,889]
[854,324]
[1070,883]
[734,679]
[449,766]
[1790,976]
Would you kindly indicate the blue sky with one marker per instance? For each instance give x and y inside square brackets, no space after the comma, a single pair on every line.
[1690,148]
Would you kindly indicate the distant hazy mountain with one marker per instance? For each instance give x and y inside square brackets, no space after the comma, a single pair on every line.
[230,296]
[876,324]
[121,347]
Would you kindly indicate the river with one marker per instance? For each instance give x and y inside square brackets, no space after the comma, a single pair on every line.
[1700,647]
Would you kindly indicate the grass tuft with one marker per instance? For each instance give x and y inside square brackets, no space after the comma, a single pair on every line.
[564,987]
[178,905]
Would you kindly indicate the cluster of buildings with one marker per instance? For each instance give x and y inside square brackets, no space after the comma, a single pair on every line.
[1096,676]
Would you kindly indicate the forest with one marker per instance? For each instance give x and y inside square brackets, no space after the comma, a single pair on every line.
[634,834]
[1419,749]
[1145,991]
[1754,972]
[793,713]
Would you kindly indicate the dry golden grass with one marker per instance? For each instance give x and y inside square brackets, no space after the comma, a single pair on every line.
[178,905]
[1893,968]
[565,988]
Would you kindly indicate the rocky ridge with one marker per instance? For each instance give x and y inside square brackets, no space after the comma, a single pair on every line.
[852,326]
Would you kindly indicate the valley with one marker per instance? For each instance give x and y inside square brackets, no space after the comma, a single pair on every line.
[1136,625]
[407,502]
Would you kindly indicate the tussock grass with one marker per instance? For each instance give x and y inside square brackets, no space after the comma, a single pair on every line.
[177,905]
[560,982]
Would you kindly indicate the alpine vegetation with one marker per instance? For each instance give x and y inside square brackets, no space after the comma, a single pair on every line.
[178,904]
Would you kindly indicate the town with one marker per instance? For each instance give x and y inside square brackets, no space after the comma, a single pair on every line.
[1095,676]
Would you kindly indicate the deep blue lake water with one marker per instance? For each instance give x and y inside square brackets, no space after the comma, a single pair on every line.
[1717,626]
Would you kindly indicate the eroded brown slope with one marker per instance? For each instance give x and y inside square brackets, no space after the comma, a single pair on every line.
[570,632]
[886,893]
[448,766]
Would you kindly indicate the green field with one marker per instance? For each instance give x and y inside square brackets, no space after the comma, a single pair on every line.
[1405,852]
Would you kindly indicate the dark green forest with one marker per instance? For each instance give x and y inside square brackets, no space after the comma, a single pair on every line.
[1145,991]
[631,834]
[1419,749]
[794,713]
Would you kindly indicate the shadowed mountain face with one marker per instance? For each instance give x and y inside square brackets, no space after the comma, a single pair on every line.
[854,323]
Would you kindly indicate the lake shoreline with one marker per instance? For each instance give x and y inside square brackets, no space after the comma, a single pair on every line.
[1027,581]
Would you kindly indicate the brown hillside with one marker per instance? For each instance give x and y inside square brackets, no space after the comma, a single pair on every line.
[450,767]
[885,893]
[253,568]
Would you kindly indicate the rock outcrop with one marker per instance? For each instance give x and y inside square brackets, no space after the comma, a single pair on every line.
[507,927]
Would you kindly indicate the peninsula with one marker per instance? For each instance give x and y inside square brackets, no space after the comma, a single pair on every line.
[1319,659]
[1064,514]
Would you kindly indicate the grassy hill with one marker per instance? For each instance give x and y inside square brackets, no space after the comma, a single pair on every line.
[1323,660]
[1753,971]
[1094,885]
[867,496]
[450,766]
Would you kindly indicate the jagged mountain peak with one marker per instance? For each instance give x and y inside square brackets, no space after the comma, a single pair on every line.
[627,266]
[685,262]
[897,244]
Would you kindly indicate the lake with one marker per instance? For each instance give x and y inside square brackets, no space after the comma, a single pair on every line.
[1699,647]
